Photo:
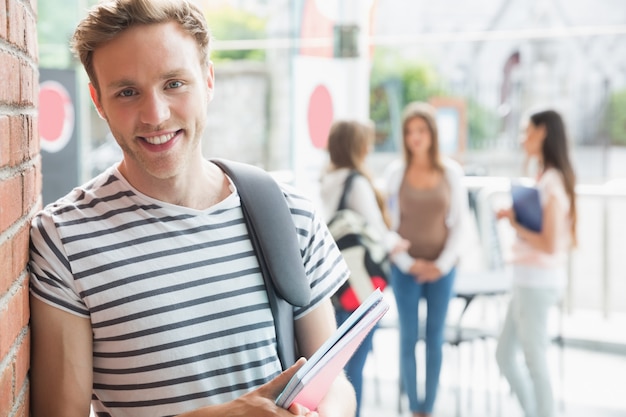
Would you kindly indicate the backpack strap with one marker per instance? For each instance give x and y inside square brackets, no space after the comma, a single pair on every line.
[273,236]
[347,185]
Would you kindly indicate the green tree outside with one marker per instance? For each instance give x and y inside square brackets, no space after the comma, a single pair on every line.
[228,23]
[396,81]
[616,118]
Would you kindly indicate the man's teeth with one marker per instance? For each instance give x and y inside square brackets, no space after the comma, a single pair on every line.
[161,139]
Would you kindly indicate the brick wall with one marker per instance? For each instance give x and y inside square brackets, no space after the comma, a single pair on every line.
[20,190]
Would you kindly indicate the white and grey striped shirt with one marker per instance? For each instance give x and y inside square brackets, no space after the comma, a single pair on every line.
[176,300]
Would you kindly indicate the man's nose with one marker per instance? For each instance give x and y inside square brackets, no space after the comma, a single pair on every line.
[155,109]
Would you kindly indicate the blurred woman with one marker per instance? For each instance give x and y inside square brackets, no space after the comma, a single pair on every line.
[428,206]
[539,267]
[349,143]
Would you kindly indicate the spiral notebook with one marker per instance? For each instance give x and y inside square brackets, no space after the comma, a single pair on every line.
[527,206]
[311,383]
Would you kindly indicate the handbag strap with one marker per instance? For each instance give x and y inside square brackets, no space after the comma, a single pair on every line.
[347,185]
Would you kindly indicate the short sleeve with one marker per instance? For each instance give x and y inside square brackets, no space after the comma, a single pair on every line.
[50,275]
[325,267]
[551,185]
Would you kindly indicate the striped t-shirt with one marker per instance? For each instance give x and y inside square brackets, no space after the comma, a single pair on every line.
[175,297]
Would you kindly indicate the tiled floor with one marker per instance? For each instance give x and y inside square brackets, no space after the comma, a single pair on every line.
[587,382]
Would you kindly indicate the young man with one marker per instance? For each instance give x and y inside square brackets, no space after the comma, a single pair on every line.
[146,295]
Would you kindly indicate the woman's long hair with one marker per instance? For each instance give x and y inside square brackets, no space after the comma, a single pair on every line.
[555,155]
[349,142]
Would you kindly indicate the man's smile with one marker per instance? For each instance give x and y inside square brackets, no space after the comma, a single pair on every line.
[160,139]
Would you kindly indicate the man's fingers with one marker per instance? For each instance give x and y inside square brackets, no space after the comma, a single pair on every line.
[300,410]
[273,388]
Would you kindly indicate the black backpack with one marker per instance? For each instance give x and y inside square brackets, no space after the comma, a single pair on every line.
[275,243]
[363,250]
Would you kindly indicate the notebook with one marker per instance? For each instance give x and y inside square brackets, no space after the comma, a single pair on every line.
[527,206]
[311,383]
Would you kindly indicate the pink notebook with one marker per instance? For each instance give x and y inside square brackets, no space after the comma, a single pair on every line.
[311,383]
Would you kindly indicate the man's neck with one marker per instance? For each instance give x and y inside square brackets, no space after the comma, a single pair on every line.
[204,187]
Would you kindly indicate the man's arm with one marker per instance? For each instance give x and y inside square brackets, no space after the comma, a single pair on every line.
[61,362]
[312,331]
[62,372]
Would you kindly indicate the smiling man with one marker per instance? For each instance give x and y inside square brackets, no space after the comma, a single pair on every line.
[146,294]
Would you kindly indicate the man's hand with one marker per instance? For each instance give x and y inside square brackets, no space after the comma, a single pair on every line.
[260,402]
[312,331]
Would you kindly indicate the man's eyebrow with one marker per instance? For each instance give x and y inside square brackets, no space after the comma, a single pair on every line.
[127,82]
[174,74]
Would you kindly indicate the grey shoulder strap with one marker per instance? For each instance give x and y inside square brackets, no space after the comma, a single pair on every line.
[273,236]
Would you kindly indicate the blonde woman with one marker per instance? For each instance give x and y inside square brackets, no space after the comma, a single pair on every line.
[427,205]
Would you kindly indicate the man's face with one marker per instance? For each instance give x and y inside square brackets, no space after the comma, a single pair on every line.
[154,94]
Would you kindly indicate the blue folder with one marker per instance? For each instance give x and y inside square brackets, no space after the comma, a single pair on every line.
[527,206]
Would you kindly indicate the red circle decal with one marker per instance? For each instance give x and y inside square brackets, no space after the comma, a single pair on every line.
[56,116]
[320,116]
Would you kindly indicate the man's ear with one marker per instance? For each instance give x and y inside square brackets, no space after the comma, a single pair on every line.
[210,80]
[96,101]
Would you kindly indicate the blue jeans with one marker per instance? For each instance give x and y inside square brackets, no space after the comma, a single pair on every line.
[354,367]
[408,293]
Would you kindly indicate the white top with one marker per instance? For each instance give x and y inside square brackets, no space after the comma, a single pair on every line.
[361,199]
[455,218]
[177,303]
[522,253]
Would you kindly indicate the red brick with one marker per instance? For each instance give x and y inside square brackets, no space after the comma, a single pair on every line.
[22,361]
[24,302]
[30,41]
[20,250]
[30,188]
[19,193]
[23,409]
[34,146]
[6,260]
[6,393]
[27,84]
[9,79]
[15,316]
[5,338]
[11,197]
[38,182]
[16,26]
[19,137]
[5,140]
[3,19]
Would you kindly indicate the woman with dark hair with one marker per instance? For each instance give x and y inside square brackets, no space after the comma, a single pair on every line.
[539,267]
[428,206]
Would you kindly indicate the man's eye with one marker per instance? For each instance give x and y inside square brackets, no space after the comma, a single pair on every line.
[126,93]
[175,84]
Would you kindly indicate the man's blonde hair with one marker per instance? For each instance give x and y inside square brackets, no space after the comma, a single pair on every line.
[109,18]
